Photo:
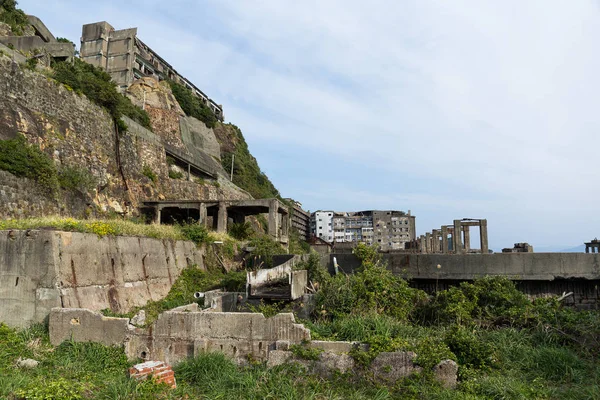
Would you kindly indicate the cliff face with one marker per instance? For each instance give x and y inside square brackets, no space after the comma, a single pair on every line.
[127,169]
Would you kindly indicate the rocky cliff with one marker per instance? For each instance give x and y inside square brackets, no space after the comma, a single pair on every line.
[127,168]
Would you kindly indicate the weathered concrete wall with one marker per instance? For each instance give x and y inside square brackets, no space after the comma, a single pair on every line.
[525,266]
[179,334]
[43,269]
[537,274]
[23,197]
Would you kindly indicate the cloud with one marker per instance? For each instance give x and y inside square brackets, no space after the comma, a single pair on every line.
[446,108]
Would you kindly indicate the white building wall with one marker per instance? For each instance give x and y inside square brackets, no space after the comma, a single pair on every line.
[322,225]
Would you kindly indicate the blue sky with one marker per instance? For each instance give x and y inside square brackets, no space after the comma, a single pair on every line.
[479,109]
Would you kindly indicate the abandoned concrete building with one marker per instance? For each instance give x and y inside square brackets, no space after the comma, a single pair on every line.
[455,238]
[519,248]
[389,229]
[38,38]
[593,245]
[218,214]
[300,219]
[126,58]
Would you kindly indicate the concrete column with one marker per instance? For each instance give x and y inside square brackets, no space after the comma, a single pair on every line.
[467,236]
[444,239]
[422,244]
[285,225]
[222,217]
[587,248]
[203,214]
[189,178]
[157,215]
[435,235]
[428,248]
[273,218]
[457,244]
[483,236]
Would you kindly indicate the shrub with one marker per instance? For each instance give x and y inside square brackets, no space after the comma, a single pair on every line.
[246,172]
[25,160]
[192,105]
[56,389]
[75,178]
[175,174]
[13,16]
[470,349]
[196,233]
[241,231]
[98,86]
[148,173]
[264,249]
[305,352]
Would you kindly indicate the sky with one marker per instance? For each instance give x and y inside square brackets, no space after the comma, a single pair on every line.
[450,109]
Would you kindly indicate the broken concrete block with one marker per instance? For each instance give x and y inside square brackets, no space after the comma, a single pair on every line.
[139,319]
[446,373]
[279,357]
[27,363]
[390,367]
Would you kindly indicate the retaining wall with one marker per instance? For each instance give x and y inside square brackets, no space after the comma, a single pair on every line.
[42,269]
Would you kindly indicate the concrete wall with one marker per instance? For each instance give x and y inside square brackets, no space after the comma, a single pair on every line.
[42,269]
[177,335]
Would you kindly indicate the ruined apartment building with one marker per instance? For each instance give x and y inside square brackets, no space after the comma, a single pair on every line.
[300,219]
[389,229]
[126,58]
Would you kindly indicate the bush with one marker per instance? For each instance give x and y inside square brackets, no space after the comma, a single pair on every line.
[14,17]
[75,178]
[196,233]
[192,105]
[148,173]
[246,172]
[98,86]
[175,174]
[264,250]
[471,351]
[241,231]
[22,159]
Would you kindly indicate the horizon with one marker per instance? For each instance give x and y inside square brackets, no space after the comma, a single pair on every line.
[448,110]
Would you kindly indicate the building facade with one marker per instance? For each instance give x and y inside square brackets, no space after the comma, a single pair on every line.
[300,219]
[321,225]
[390,229]
[126,58]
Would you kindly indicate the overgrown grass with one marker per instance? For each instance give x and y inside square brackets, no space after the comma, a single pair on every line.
[13,16]
[192,105]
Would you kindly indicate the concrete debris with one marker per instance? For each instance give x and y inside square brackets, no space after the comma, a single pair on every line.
[446,373]
[139,319]
[27,363]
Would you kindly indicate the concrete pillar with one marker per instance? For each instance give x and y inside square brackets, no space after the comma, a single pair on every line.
[467,236]
[587,248]
[189,172]
[273,218]
[202,219]
[457,244]
[483,236]
[222,217]
[157,215]
[444,239]
[435,238]
[428,243]
[285,225]
[422,244]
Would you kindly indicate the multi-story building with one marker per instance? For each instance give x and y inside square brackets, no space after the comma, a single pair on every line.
[126,58]
[390,230]
[300,219]
[321,225]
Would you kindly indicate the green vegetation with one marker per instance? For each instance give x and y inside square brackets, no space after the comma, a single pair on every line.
[25,160]
[246,172]
[76,178]
[265,248]
[98,86]
[191,280]
[304,352]
[195,232]
[13,16]
[175,174]
[149,173]
[193,105]
[241,231]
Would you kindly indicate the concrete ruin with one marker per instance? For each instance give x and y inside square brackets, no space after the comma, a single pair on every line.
[217,214]
[126,58]
[593,245]
[43,269]
[186,332]
[519,248]
[455,238]
[40,40]
[278,283]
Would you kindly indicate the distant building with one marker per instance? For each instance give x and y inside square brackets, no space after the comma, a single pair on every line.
[519,248]
[321,225]
[126,58]
[300,219]
[390,230]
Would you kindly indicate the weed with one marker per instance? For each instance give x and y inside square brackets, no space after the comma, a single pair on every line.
[305,352]
[149,173]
